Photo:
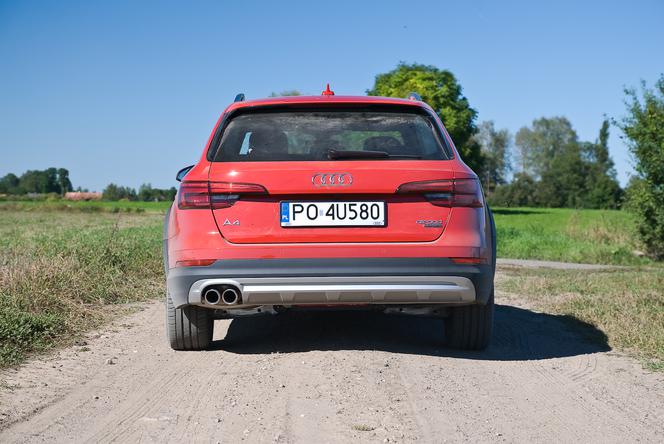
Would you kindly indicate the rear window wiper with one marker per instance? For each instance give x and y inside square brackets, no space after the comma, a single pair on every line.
[358,154]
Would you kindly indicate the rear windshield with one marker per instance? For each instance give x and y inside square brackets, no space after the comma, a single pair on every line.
[330,135]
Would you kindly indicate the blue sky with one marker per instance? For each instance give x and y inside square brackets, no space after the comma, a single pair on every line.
[128,92]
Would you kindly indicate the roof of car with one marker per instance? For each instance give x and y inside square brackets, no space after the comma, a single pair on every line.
[323,100]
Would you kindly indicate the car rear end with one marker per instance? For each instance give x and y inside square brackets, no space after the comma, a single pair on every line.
[331,202]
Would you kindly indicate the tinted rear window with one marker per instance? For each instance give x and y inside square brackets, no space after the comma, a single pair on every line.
[313,135]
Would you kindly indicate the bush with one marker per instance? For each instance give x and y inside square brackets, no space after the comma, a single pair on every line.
[644,128]
[519,193]
[647,202]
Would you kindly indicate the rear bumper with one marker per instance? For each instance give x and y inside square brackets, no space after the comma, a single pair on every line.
[336,281]
[342,290]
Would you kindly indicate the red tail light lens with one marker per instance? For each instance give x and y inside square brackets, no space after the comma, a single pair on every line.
[447,193]
[214,195]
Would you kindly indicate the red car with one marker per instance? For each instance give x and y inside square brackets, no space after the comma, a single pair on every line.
[327,202]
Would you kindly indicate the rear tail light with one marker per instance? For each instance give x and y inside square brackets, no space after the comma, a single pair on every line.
[447,193]
[214,195]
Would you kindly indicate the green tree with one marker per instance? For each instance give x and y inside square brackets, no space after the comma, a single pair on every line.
[9,184]
[563,182]
[64,184]
[602,187]
[37,181]
[495,150]
[146,192]
[518,193]
[441,90]
[539,144]
[644,129]
[111,192]
[115,192]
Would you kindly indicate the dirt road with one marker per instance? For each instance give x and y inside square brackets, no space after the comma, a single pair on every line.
[335,378]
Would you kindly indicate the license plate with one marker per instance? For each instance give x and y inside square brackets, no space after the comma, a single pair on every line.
[332,214]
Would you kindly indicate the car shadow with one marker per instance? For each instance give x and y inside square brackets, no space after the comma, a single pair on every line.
[519,334]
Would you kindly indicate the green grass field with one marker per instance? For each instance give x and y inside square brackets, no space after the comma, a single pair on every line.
[566,235]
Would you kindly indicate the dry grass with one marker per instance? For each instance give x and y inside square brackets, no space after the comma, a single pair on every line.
[61,272]
[626,304]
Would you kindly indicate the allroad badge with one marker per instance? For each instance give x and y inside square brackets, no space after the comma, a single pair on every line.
[332,179]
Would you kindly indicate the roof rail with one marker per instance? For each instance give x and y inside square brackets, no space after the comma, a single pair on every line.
[414,96]
[239,98]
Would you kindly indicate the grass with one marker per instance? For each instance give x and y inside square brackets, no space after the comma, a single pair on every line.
[62,272]
[86,206]
[626,304]
[566,235]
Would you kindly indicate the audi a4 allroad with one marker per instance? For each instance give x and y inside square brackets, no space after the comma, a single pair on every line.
[329,202]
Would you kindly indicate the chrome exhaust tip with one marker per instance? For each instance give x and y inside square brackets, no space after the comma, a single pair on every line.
[212,296]
[230,296]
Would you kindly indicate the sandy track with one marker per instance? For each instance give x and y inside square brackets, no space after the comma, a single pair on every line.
[332,377]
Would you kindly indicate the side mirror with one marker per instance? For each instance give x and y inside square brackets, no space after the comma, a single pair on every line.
[183,172]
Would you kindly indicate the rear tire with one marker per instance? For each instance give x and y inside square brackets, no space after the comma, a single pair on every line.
[188,328]
[470,327]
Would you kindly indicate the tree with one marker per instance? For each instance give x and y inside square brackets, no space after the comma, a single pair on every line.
[568,173]
[36,181]
[145,192]
[644,129]
[115,192]
[64,184]
[518,193]
[495,150]
[50,180]
[9,184]
[602,187]
[542,142]
[440,89]
[563,182]
[148,194]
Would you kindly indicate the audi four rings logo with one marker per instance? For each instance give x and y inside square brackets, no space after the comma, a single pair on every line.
[332,179]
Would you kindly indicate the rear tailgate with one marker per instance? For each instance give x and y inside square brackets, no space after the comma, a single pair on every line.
[256,219]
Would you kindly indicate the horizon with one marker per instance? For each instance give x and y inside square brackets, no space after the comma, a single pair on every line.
[129,93]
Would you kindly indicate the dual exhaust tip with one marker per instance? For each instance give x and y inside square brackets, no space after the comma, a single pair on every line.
[222,295]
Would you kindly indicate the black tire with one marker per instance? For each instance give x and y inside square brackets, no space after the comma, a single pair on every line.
[188,328]
[470,327]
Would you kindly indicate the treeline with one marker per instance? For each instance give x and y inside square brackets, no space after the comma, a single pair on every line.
[50,180]
[145,193]
[551,167]
[54,182]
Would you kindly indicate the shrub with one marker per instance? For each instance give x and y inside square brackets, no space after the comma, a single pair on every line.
[644,129]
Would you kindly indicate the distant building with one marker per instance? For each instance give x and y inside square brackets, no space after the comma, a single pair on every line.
[81,195]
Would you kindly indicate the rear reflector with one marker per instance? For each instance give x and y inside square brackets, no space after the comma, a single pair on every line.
[195,263]
[469,260]
[214,195]
[447,193]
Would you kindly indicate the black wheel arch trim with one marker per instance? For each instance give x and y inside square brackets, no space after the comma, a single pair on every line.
[164,240]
